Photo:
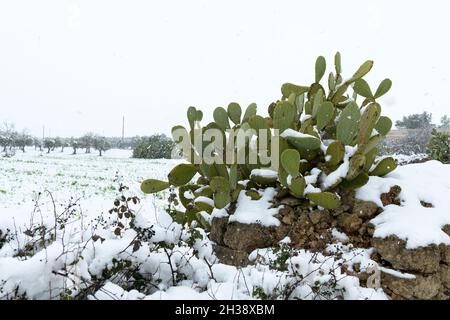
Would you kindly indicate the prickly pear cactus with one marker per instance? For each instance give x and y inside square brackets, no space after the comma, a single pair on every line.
[327,139]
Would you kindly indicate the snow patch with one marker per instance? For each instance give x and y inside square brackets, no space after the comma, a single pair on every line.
[256,211]
[417,225]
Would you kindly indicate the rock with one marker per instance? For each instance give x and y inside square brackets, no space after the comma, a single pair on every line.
[426,204]
[365,209]
[218,229]
[370,229]
[422,259]
[445,253]
[231,257]
[336,212]
[286,215]
[446,229]
[391,197]
[247,237]
[291,201]
[423,287]
[444,273]
[310,231]
[349,223]
[347,198]
[320,216]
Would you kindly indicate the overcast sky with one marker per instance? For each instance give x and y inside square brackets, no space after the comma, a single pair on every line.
[77,66]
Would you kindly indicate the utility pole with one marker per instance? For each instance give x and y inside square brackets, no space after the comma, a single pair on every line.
[123,129]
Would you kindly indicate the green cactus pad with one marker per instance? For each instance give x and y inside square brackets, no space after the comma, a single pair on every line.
[263,180]
[203,206]
[233,176]
[258,122]
[384,167]
[288,88]
[253,194]
[370,158]
[317,103]
[199,115]
[153,185]
[363,70]
[383,88]
[335,153]
[221,189]
[356,183]
[282,176]
[283,116]
[203,222]
[324,115]
[371,144]
[308,107]
[202,180]
[347,126]
[362,88]
[189,188]
[331,82]
[383,125]
[368,120]
[192,116]
[221,170]
[182,174]
[321,66]
[221,118]
[300,103]
[204,191]
[304,144]
[250,111]
[297,186]
[356,165]
[234,112]
[290,160]
[337,63]
[327,200]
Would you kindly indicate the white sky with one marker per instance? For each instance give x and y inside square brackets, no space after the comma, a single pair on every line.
[77,66]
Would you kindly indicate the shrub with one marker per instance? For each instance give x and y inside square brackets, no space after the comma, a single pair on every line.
[415,121]
[439,147]
[415,142]
[158,146]
[327,140]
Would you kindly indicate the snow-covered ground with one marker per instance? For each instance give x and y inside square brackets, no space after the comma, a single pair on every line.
[87,177]
[175,263]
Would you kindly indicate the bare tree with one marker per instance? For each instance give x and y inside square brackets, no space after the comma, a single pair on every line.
[101,144]
[86,142]
[23,140]
[8,136]
[49,144]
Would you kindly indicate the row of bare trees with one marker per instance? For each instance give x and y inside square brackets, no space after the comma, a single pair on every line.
[12,139]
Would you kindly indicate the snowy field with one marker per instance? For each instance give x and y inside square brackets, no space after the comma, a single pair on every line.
[85,177]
